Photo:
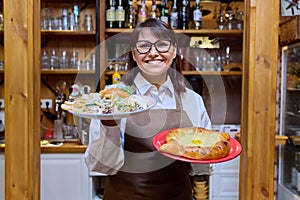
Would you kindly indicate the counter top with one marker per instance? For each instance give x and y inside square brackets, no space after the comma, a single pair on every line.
[66,147]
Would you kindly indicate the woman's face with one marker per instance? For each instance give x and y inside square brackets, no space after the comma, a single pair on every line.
[153,62]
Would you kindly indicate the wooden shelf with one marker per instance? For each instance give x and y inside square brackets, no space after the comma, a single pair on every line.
[293,114]
[293,89]
[65,71]
[68,32]
[190,32]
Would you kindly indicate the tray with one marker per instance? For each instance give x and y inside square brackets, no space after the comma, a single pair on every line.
[115,116]
[235,150]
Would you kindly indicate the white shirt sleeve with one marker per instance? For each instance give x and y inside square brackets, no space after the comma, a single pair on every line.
[194,106]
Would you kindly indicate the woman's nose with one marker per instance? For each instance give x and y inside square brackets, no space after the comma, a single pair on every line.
[153,50]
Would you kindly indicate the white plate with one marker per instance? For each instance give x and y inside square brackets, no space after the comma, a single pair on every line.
[150,102]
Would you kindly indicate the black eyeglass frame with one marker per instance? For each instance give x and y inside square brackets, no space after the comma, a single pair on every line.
[154,44]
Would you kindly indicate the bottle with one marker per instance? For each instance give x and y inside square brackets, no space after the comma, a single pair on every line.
[110,15]
[294,168]
[116,77]
[93,61]
[131,17]
[76,17]
[221,22]
[45,60]
[64,18]
[164,14]
[64,61]
[239,22]
[74,60]
[184,16]
[88,22]
[120,15]
[143,12]
[153,10]
[53,60]
[71,20]
[198,15]
[174,16]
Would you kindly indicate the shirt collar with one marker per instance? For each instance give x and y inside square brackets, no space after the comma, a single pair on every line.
[144,86]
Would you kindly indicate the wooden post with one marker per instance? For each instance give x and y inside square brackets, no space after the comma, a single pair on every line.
[22,99]
[260,61]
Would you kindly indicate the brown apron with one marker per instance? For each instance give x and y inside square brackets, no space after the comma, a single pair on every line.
[146,174]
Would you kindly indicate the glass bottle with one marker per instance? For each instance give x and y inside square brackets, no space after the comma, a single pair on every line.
[239,21]
[174,16]
[64,61]
[198,15]
[219,63]
[64,17]
[76,17]
[164,14]
[53,60]
[184,15]
[93,61]
[221,22]
[116,77]
[143,12]
[111,15]
[153,10]
[130,17]
[88,22]
[45,60]
[73,60]
[120,15]
[230,20]
[71,20]
[49,19]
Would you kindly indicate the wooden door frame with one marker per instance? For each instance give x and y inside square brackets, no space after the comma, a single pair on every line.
[22,98]
[260,62]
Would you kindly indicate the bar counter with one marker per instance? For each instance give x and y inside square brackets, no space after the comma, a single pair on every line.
[66,147]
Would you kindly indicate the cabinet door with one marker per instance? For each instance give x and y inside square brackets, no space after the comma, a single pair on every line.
[64,177]
[224,181]
[2,179]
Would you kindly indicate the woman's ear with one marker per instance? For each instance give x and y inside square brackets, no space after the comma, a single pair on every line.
[175,51]
[133,55]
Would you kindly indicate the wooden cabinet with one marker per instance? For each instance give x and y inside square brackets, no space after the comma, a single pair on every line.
[64,176]
[79,43]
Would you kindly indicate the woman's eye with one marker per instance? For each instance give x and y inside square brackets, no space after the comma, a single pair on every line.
[143,45]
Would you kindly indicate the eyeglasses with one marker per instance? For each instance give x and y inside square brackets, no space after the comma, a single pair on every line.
[161,46]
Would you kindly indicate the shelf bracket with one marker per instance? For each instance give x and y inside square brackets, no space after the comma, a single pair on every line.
[44,42]
[49,87]
[87,3]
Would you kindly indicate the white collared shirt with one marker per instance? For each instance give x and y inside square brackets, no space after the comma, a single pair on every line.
[192,102]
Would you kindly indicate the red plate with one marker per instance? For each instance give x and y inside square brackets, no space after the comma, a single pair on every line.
[235,150]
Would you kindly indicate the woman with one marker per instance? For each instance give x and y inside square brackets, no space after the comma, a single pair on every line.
[143,173]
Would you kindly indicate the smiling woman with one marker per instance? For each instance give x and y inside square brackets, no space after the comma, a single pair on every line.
[137,169]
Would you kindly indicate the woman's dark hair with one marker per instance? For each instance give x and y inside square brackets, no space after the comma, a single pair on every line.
[163,31]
